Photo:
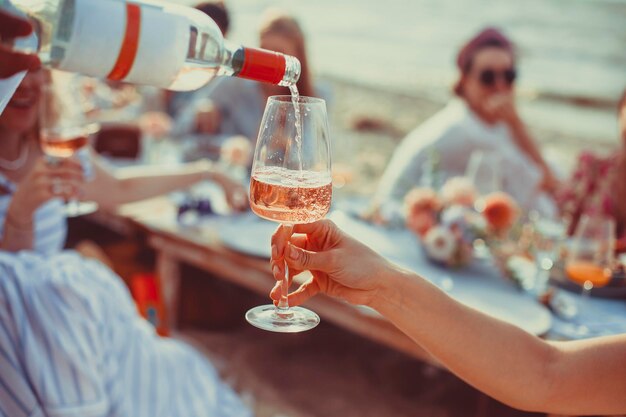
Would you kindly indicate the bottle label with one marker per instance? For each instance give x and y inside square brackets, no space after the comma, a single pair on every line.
[262,65]
[132,42]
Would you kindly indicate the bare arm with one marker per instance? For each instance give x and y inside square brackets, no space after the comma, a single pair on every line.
[110,190]
[573,378]
[526,143]
[582,377]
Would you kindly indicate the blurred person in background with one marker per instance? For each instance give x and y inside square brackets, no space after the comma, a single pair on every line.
[32,190]
[483,118]
[74,344]
[231,106]
[498,358]
[598,185]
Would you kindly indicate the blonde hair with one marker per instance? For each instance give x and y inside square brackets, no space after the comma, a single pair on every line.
[278,22]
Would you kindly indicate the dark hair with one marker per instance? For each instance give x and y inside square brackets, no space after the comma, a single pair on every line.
[218,12]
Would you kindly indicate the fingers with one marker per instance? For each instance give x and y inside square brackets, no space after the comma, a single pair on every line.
[302,294]
[279,241]
[301,259]
[12,26]
[319,228]
[66,169]
[12,62]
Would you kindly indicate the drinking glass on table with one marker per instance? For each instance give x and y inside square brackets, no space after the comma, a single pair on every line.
[483,170]
[64,133]
[590,257]
[290,184]
[548,237]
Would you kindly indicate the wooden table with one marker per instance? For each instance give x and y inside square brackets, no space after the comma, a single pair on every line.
[202,248]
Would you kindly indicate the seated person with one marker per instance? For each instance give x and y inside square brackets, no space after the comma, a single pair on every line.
[32,190]
[231,106]
[598,186]
[484,118]
[72,344]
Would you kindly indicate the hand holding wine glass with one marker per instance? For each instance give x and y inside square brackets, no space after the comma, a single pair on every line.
[290,184]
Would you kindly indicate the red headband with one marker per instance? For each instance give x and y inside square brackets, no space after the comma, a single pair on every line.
[485,38]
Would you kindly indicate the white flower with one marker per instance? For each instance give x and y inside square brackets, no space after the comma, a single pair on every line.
[440,244]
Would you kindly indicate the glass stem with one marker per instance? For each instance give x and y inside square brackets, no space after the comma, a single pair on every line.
[283,303]
[584,299]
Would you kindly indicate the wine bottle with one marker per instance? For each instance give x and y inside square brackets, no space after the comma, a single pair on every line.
[160,44]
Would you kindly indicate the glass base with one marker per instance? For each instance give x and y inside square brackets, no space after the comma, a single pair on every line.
[294,320]
[80,208]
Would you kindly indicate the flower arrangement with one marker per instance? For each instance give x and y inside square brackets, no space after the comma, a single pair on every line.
[449,221]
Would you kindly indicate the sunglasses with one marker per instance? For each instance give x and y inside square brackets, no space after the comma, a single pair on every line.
[488,77]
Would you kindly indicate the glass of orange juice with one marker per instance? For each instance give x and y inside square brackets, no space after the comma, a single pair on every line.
[590,256]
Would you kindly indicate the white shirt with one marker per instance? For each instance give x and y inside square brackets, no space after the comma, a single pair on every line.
[452,136]
[72,344]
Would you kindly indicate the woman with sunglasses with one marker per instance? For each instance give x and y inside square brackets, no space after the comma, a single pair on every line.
[483,118]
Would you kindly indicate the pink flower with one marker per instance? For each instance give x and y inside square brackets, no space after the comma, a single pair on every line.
[500,211]
[236,150]
[421,206]
[421,199]
[459,191]
[421,222]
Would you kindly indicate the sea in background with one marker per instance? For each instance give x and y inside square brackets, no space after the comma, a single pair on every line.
[572,53]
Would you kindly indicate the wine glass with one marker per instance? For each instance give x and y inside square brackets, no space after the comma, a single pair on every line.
[483,169]
[63,134]
[290,184]
[548,236]
[590,258]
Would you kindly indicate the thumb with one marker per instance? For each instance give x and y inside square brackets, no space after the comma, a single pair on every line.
[306,260]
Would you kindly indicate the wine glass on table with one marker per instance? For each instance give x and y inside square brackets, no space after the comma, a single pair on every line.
[484,171]
[290,184]
[590,259]
[64,133]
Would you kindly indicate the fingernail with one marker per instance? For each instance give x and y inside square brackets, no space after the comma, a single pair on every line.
[274,251]
[293,253]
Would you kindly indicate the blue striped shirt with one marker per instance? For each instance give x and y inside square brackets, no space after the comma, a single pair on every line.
[72,344]
[50,224]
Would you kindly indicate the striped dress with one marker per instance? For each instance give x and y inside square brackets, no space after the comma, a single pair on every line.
[49,220]
[72,344]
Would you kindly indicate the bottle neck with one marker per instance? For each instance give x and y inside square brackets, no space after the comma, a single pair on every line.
[262,65]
